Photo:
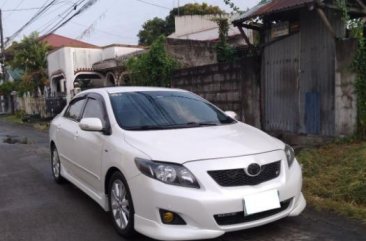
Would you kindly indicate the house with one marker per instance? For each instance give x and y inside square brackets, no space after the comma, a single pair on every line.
[307,86]
[193,42]
[86,66]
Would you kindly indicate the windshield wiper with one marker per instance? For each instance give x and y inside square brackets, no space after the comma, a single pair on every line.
[150,127]
[208,123]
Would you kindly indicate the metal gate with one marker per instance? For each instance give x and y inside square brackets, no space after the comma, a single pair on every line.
[280,78]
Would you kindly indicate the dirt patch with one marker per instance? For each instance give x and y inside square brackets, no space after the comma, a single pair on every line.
[16,140]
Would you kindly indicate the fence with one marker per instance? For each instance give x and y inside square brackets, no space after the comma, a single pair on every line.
[43,106]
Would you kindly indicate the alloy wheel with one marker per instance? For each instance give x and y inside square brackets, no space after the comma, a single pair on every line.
[120,204]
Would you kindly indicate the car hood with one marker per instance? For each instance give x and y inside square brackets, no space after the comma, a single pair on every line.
[200,143]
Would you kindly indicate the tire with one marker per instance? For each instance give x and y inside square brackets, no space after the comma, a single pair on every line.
[121,206]
[56,166]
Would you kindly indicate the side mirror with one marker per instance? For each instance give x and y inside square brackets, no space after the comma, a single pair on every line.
[231,114]
[91,124]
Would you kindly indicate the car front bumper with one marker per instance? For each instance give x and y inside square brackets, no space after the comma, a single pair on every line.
[198,207]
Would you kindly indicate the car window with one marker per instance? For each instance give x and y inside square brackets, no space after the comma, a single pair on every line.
[74,110]
[94,109]
[144,110]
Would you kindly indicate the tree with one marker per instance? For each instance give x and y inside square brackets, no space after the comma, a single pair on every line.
[151,30]
[153,68]
[29,56]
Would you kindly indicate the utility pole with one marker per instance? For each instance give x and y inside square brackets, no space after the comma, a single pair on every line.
[2,60]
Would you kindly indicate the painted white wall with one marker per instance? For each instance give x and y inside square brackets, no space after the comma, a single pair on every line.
[202,28]
[116,51]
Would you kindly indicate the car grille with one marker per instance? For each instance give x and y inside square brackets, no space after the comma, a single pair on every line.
[238,177]
[238,217]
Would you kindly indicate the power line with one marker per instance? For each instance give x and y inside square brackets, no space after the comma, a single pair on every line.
[21,9]
[62,15]
[153,4]
[49,28]
[20,3]
[85,7]
[101,31]
[45,7]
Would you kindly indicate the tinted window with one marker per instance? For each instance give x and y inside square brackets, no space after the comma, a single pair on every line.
[75,108]
[164,109]
[94,109]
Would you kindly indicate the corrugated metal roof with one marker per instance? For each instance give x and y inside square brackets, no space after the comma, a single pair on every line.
[272,7]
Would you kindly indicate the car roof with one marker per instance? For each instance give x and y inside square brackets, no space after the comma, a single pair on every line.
[114,90]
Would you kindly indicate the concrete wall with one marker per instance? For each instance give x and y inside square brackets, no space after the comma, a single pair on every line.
[203,28]
[191,53]
[345,96]
[229,86]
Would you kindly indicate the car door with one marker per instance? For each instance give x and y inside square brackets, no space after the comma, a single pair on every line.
[67,130]
[91,143]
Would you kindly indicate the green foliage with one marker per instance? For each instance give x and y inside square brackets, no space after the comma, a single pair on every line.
[7,87]
[233,6]
[334,177]
[225,53]
[153,68]
[152,29]
[29,56]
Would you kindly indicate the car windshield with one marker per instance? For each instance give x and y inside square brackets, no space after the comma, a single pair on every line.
[155,110]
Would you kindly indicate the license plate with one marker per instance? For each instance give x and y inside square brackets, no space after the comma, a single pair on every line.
[260,202]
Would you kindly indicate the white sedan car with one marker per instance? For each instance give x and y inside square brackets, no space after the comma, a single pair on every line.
[170,165]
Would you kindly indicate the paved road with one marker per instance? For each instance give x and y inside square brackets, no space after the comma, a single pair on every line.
[34,208]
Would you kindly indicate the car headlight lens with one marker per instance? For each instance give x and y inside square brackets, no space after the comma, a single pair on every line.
[168,173]
[290,155]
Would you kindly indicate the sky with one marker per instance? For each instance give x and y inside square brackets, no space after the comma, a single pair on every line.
[113,21]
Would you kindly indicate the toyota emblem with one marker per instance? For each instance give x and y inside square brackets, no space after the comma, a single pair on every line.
[253,170]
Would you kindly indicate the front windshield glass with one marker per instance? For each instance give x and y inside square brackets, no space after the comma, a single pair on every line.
[148,110]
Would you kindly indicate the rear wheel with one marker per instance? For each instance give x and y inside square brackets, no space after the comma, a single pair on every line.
[121,206]
[56,166]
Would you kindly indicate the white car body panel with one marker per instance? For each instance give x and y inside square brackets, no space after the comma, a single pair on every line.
[86,158]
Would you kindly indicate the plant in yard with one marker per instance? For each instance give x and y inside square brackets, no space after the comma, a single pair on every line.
[29,56]
[225,53]
[153,68]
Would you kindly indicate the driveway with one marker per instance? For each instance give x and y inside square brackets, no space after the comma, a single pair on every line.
[33,207]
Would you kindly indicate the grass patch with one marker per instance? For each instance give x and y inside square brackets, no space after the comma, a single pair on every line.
[335,177]
[14,119]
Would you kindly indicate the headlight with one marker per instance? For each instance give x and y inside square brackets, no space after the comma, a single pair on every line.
[168,173]
[290,155]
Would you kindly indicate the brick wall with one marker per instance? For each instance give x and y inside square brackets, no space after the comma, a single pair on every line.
[233,86]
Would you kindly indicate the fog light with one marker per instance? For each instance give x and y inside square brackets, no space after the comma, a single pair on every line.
[169,217]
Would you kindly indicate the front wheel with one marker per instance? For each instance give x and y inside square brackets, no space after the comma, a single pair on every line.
[121,206]
[56,166]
